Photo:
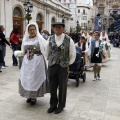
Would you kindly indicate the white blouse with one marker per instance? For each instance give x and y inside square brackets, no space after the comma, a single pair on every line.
[97,43]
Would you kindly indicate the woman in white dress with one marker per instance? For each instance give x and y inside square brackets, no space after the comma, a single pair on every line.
[105,39]
[33,81]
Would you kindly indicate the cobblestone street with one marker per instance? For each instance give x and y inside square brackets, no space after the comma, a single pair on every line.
[92,100]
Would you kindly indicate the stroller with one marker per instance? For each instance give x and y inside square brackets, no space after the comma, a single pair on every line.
[76,70]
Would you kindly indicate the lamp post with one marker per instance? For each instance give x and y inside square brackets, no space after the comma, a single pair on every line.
[63,18]
[28,9]
[77,25]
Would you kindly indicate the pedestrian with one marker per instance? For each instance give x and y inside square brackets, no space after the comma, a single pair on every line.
[4,42]
[61,53]
[33,81]
[96,55]
[84,47]
[14,40]
[45,34]
[0,54]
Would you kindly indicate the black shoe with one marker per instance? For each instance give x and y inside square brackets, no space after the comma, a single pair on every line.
[15,64]
[33,101]
[51,109]
[58,110]
[28,100]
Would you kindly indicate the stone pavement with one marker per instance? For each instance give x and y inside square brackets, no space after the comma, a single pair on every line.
[92,100]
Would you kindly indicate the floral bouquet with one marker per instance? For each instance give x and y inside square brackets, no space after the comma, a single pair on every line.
[18,53]
[100,48]
[108,44]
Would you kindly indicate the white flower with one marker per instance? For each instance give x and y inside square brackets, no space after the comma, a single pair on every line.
[108,44]
[18,53]
[97,54]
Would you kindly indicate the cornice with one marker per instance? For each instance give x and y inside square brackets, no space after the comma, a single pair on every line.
[55,5]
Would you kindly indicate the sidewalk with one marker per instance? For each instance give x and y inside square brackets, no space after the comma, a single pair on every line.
[92,100]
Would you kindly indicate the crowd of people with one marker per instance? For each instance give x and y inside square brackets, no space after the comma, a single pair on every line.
[46,59]
[114,38]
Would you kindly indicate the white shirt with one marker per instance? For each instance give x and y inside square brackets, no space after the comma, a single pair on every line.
[59,40]
[97,43]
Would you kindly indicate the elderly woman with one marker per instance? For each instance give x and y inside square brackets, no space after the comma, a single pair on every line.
[33,81]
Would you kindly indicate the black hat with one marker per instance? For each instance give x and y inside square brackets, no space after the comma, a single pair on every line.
[58,23]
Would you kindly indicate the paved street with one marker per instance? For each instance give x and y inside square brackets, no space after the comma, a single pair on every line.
[92,100]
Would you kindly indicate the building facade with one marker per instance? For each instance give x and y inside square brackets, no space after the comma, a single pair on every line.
[45,12]
[105,7]
[80,11]
[84,13]
[72,5]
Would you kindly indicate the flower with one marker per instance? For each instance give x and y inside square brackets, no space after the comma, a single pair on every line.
[97,55]
[18,53]
[108,44]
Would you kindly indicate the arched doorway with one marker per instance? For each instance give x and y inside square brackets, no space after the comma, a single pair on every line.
[39,21]
[52,21]
[18,20]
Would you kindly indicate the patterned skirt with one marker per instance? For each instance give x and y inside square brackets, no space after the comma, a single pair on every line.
[94,58]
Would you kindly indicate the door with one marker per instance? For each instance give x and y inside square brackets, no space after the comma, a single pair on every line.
[18,22]
[39,25]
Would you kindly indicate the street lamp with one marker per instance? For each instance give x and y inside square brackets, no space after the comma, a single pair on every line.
[77,25]
[28,9]
[63,18]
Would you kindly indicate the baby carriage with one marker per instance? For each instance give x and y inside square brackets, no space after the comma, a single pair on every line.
[76,70]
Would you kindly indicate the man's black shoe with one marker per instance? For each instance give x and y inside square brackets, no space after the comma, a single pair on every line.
[28,100]
[58,110]
[51,109]
[33,101]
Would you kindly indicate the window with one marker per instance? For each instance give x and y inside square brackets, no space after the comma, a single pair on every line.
[83,11]
[101,10]
[78,10]
[83,24]
[72,0]
[84,18]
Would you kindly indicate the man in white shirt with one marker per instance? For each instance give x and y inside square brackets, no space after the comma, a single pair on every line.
[61,53]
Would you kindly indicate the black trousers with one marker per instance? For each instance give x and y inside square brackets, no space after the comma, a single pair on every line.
[58,77]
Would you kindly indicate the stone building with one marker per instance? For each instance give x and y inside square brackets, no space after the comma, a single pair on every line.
[105,7]
[84,16]
[45,12]
[80,11]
